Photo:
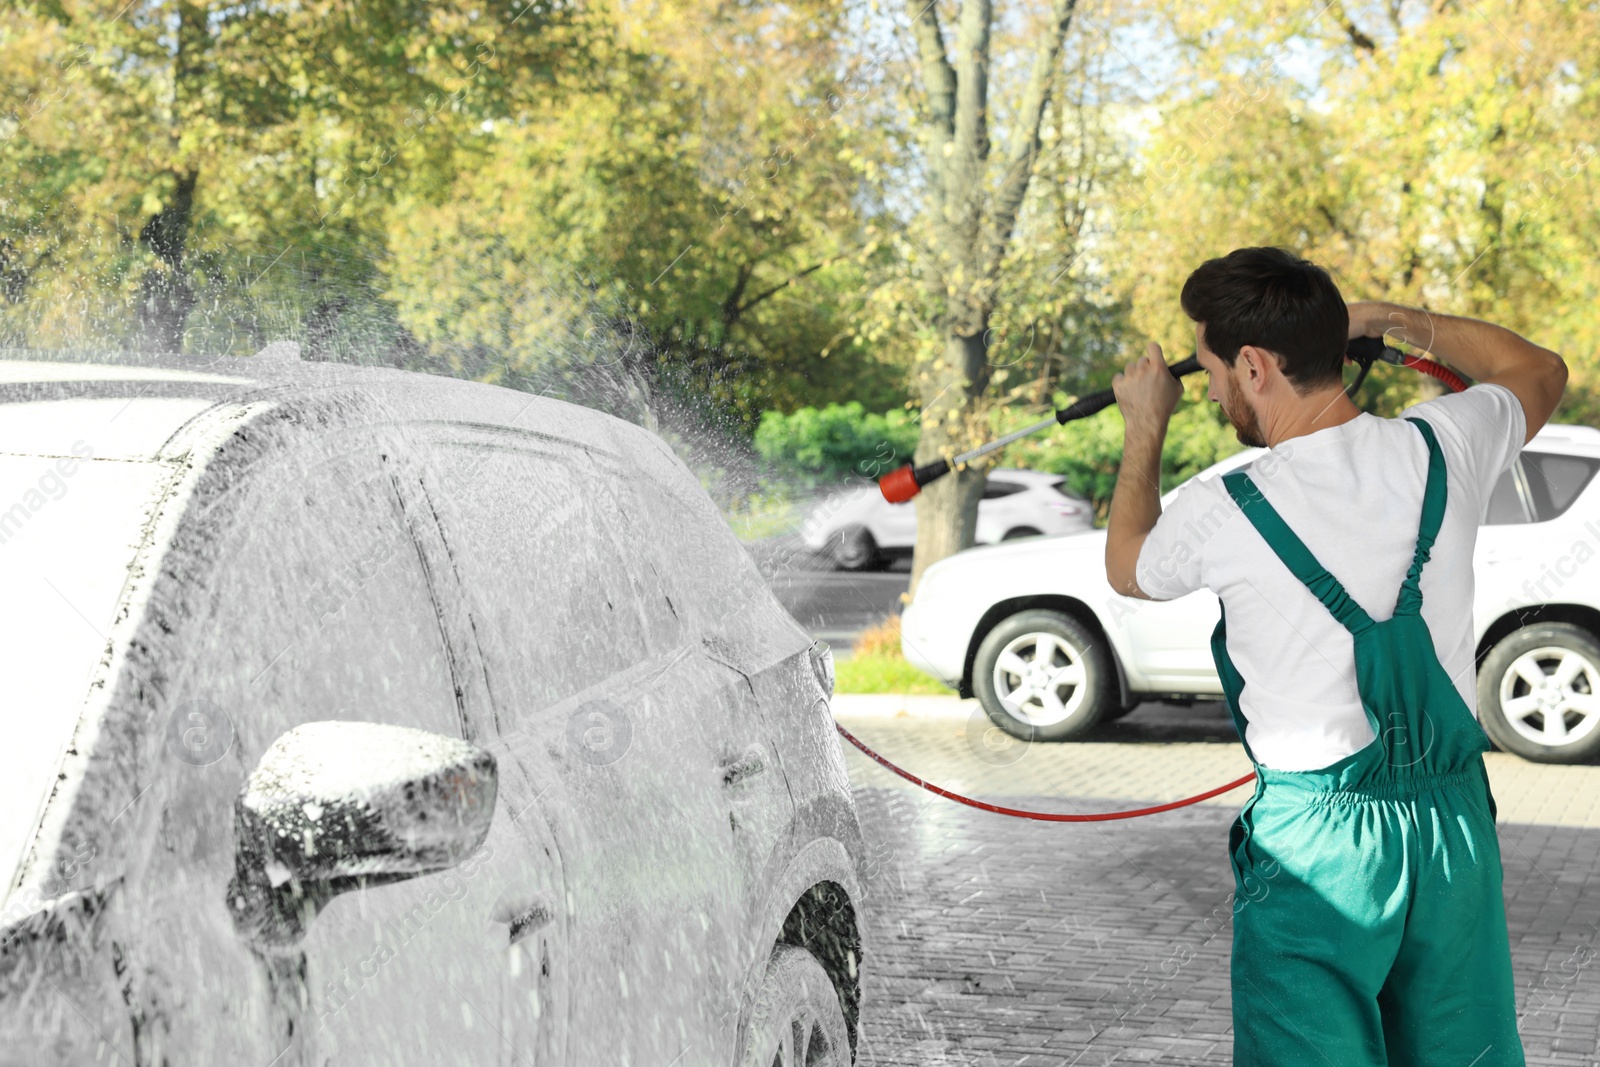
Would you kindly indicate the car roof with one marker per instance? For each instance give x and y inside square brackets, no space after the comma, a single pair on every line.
[1018,474]
[153,398]
[1586,438]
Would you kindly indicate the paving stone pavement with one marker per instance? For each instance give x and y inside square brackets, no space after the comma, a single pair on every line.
[995,940]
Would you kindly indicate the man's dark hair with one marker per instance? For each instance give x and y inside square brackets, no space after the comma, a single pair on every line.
[1275,300]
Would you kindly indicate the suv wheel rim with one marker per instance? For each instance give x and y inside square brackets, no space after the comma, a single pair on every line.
[853,548]
[1040,678]
[1551,696]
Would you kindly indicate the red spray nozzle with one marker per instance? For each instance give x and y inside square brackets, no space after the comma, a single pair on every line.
[899,486]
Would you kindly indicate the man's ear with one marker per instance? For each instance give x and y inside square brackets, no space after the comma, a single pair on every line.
[1256,361]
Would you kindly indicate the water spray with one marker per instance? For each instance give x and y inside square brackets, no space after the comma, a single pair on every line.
[901,485]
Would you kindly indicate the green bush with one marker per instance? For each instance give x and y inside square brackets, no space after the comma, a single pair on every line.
[830,443]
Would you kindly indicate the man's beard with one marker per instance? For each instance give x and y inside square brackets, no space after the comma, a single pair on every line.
[1245,424]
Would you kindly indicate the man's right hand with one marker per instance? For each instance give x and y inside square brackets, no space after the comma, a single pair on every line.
[1370,318]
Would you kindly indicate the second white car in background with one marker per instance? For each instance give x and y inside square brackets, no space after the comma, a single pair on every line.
[1034,631]
[859,529]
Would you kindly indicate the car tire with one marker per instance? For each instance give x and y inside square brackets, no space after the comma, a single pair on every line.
[853,549]
[797,1019]
[1543,723]
[1084,697]
[1020,531]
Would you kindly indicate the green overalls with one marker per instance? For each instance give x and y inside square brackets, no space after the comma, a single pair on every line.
[1369,925]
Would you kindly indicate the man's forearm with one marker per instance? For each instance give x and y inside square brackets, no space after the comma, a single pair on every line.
[1135,505]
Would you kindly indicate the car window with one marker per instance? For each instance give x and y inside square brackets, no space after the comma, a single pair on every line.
[1555,480]
[690,552]
[550,588]
[70,528]
[994,489]
[718,594]
[1060,486]
[1506,506]
[321,609]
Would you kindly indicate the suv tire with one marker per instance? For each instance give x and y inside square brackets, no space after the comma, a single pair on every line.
[1033,656]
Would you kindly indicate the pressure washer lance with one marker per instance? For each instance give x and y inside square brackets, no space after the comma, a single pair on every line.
[901,485]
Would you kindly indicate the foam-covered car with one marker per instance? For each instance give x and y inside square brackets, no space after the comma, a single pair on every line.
[363,717]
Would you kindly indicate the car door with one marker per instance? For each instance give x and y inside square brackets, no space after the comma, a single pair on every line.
[1170,639]
[527,932]
[1502,541]
[606,696]
[731,694]
[893,525]
[317,607]
[997,509]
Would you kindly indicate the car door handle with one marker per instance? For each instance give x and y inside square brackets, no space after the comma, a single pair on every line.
[521,913]
[741,768]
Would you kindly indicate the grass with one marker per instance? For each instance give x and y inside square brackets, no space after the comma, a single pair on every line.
[876,665]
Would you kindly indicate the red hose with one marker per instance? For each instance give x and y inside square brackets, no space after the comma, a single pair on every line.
[1041,816]
[1425,366]
[1436,370]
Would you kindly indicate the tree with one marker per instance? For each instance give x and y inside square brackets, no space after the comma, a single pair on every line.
[972,215]
[1428,157]
[692,209]
[188,146]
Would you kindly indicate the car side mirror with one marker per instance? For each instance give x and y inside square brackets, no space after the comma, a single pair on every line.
[335,806]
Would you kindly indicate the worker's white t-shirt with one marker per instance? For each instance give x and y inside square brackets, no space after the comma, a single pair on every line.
[1353,494]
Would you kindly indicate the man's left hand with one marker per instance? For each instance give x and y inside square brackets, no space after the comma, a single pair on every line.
[1146,392]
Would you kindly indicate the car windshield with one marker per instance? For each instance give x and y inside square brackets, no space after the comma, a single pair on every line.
[70,525]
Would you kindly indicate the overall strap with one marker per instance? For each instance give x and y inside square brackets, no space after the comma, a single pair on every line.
[1409,602]
[1294,554]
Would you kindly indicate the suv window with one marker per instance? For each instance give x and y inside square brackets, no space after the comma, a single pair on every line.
[1506,506]
[1555,480]
[1538,487]
[322,608]
[994,489]
[551,591]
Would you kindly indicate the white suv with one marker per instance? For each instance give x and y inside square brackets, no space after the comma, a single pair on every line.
[859,529]
[1037,634]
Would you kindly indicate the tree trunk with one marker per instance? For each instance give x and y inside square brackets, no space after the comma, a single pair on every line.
[947,510]
[972,228]
[165,296]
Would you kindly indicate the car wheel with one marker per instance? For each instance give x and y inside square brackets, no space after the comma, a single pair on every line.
[797,1020]
[1020,531]
[854,549]
[1042,676]
[1539,693]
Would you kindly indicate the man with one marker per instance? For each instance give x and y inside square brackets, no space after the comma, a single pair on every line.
[1369,924]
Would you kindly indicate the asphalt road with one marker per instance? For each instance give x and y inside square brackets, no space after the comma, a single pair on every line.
[833,605]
